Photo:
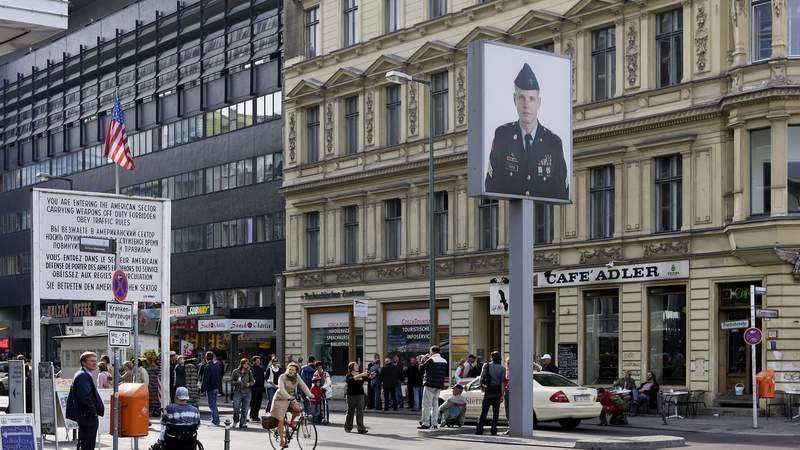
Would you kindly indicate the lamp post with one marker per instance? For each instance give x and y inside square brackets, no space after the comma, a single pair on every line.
[404,78]
[44,176]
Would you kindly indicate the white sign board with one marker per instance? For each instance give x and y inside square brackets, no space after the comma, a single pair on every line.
[61,218]
[520,123]
[630,273]
[16,386]
[498,299]
[238,325]
[734,324]
[17,432]
[94,325]
[177,311]
[360,308]
[47,398]
[119,315]
[119,338]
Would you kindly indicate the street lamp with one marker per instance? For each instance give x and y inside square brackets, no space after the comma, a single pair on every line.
[44,176]
[403,78]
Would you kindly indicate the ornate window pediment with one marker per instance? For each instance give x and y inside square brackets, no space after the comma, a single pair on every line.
[587,6]
[343,76]
[305,87]
[533,20]
[486,32]
[431,50]
[384,64]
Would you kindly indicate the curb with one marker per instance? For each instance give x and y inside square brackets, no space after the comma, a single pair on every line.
[628,443]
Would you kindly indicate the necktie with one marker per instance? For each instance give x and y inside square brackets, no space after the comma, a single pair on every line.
[528,142]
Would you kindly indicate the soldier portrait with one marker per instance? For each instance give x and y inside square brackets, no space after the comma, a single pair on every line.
[527,159]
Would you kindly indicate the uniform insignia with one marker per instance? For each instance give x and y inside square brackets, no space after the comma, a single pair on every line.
[515,137]
[511,167]
[512,158]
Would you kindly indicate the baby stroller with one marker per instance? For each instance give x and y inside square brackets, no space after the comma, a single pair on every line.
[454,416]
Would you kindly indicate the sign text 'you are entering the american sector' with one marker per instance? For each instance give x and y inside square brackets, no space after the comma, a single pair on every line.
[62,218]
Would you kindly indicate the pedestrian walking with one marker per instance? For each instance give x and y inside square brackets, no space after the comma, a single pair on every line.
[273,372]
[375,383]
[257,390]
[211,385]
[389,377]
[103,378]
[84,404]
[414,377]
[326,386]
[376,359]
[127,372]
[434,378]
[307,373]
[284,399]
[192,381]
[493,377]
[141,375]
[355,397]
[242,382]
[179,372]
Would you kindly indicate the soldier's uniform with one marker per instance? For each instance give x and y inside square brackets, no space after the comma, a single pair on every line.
[522,164]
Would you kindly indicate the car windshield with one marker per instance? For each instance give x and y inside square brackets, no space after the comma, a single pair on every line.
[552,380]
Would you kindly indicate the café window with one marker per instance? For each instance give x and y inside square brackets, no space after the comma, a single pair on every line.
[668,334]
[601,339]
[330,341]
[408,332]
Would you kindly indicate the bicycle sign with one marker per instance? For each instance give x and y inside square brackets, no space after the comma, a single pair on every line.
[119,285]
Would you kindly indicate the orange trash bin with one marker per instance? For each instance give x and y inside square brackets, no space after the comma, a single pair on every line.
[765,380]
[134,417]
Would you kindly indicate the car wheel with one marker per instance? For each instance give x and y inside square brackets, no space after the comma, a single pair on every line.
[569,424]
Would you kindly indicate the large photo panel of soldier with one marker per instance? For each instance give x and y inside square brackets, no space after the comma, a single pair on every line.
[520,123]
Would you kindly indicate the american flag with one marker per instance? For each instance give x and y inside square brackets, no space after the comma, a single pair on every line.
[116,147]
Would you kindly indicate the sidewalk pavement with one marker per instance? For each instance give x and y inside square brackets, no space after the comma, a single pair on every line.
[558,440]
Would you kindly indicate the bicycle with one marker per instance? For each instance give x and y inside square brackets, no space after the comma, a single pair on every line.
[304,432]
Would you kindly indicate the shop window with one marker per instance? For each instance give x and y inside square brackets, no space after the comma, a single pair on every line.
[668,193]
[330,341]
[408,332]
[601,337]
[760,172]
[668,334]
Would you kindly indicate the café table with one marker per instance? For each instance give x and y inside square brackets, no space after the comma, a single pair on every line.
[792,397]
[672,397]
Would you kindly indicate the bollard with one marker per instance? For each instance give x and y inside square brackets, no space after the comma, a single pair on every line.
[227,434]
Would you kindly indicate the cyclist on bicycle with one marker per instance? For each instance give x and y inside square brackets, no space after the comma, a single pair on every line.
[180,420]
[284,398]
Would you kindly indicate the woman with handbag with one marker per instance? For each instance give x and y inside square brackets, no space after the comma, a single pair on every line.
[493,376]
[284,398]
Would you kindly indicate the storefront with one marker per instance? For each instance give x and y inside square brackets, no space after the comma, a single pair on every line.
[408,330]
[334,339]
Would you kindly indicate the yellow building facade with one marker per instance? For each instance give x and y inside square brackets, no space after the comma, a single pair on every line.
[686,119]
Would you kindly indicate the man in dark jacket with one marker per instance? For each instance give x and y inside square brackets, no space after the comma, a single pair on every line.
[211,384]
[434,370]
[548,365]
[307,375]
[173,361]
[376,361]
[258,387]
[84,404]
[414,378]
[390,377]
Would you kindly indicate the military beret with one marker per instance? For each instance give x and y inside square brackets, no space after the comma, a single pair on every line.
[526,79]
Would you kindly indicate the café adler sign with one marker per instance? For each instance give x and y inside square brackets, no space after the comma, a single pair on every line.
[614,274]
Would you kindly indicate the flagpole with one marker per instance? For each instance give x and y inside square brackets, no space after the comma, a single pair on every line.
[116,179]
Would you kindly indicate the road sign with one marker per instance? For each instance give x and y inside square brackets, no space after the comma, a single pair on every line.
[119,315]
[753,336]
[16,432]
[759,290]
[119,338]
[767,313]
[119,285]
[734,324]
[16,386]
